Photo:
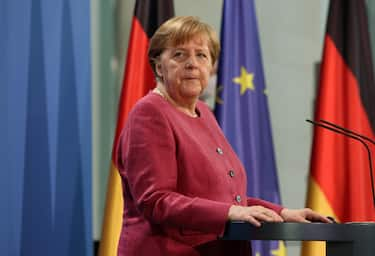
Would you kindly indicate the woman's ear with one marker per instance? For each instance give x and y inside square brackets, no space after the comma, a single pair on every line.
[158,69]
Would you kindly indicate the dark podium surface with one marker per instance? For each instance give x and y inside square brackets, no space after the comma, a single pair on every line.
[349,239]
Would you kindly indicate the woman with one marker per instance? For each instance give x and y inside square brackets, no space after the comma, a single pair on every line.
[181,179]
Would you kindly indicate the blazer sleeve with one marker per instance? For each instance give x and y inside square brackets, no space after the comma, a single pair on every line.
[148,157]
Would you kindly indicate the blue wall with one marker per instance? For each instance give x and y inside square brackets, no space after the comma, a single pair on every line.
[45,128]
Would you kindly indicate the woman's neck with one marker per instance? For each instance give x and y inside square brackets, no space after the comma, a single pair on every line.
[188,106]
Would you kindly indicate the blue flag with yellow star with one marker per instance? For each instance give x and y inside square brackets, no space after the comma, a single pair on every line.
[242,108]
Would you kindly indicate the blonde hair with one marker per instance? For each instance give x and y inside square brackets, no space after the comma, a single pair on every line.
[179,30]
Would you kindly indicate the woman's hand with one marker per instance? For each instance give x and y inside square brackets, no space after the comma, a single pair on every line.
[304,215]
[253,214]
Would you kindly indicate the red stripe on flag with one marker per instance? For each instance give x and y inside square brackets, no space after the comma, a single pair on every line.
[138,77]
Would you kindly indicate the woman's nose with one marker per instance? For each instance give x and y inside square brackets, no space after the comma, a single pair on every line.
[191,62]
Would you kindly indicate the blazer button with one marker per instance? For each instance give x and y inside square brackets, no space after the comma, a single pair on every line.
[238,198]
[231,173]
[219,151]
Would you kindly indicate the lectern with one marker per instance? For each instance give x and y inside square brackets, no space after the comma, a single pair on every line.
[350,239]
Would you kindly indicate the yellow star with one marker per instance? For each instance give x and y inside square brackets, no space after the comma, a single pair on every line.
[245,80]
[281,251]
[257,254]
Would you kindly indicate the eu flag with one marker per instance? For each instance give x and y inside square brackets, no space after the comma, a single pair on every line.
[241,107]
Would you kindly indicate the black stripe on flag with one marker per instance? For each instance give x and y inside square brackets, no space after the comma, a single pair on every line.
[347,25]
[151,14]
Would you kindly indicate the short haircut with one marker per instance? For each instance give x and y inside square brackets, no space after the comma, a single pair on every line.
[179,30]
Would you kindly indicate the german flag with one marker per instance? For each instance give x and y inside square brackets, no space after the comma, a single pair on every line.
[340,180]
[138,80]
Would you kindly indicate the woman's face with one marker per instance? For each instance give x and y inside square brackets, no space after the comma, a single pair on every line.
[185,69]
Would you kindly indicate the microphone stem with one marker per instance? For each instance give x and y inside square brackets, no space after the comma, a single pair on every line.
[371,173]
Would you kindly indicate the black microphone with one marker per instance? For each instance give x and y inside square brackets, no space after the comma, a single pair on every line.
[348,131]
[354,135]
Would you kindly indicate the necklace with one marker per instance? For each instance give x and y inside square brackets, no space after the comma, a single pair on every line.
[158,91]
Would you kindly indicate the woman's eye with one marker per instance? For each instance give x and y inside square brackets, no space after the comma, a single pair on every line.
[202,55]
[178,54]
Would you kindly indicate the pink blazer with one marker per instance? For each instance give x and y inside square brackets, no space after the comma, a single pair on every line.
[179,177]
